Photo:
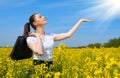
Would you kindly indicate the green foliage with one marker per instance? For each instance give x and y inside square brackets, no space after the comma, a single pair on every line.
[113,43]
[96,45]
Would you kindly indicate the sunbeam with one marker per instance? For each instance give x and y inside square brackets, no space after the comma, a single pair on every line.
[114,7]
[102,12]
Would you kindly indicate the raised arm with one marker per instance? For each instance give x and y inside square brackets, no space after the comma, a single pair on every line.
[63,36]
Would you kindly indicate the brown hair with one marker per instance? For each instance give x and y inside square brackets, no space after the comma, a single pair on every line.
[28,24]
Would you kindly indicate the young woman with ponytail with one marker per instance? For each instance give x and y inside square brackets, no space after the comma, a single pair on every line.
[40,42]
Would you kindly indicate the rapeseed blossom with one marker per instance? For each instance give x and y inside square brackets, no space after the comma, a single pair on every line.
[67,63]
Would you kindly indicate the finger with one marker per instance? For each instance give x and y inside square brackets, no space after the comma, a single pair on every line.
[90,20]
[31,34]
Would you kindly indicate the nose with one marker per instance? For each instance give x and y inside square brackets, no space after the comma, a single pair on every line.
[43,16]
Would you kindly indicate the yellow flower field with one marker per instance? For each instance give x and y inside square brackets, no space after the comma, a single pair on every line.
[68,63]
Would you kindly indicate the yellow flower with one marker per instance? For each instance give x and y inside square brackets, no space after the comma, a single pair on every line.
[57,75]
[67,62]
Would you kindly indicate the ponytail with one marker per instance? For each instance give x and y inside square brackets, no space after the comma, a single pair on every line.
[26,29]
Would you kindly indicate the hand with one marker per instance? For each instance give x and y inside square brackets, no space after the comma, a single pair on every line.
[33,34]
[85,20]
[40,54]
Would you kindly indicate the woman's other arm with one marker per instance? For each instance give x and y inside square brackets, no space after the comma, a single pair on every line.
[36,47]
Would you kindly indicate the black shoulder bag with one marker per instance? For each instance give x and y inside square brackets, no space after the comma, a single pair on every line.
[21,50]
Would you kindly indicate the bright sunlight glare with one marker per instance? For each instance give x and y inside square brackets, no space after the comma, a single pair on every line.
[115,3]
[103,12]
[114,6]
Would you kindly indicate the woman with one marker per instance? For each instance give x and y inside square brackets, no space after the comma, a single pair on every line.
[40,42]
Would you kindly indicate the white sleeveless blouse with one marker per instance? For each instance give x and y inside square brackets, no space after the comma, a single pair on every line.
[47,44]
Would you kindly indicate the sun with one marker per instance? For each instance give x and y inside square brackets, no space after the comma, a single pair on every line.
[115,3]
[106,8]
[103,12]
[114,6]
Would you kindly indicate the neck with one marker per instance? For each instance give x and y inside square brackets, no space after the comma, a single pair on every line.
[40,30]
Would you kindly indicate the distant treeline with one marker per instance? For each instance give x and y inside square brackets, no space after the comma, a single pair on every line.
[115,42]
[111,43]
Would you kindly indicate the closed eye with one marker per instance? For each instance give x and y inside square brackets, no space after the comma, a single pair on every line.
[40,16]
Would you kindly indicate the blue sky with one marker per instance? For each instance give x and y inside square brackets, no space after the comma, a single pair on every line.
[61,15]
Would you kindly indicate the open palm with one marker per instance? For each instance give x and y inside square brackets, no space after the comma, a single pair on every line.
[85,20]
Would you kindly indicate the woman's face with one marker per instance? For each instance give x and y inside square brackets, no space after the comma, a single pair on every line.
[39,20]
